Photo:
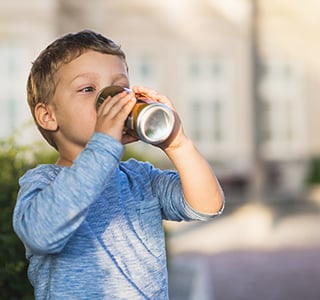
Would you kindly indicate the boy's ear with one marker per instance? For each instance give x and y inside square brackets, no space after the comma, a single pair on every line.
[45,117]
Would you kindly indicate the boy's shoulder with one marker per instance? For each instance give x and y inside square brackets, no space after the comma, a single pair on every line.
[41,173]
[144,170]
[135,166]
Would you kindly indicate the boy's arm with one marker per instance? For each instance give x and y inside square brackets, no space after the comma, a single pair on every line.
[199,184]
[48,212]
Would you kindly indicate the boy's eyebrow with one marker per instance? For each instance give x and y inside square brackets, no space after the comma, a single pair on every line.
[118,76]
[87,74]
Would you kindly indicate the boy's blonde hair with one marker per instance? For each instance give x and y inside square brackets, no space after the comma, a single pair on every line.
[42,79]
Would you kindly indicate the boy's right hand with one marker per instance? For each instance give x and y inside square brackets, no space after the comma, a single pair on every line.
[112,114]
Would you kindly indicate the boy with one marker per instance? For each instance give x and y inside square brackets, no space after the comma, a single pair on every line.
[92,225]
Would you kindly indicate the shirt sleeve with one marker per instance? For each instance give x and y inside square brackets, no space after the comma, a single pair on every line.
[53,201]
[166,185]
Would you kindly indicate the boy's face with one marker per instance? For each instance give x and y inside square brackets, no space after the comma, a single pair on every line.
[77,87]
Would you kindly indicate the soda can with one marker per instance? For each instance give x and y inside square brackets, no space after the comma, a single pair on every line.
[150,121]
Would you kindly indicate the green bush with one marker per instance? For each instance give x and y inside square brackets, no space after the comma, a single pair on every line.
[313,175]
[14,161]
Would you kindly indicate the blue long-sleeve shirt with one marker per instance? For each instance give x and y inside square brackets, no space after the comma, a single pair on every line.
[94,230]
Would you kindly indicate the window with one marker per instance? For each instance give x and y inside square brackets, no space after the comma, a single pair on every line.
[206,117]
[196,110]
[210,116]
[283,123]
[207,67]
[266,121]
[216,109]
[144,70]
[14,64]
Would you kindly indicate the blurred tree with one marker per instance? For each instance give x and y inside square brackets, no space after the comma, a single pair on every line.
[14,161]
[313,180]
[313,175]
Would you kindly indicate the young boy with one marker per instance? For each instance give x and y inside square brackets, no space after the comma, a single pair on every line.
[92,225]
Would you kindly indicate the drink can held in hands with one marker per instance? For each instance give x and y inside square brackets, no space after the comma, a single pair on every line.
[152,122]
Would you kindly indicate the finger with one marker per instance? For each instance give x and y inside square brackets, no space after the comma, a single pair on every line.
[152,95]
[112,114]
[109,102]
[118,105]
[141,90]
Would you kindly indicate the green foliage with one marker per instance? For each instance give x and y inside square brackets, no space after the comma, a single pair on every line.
[14,161]
[131,153]
[150,154]
[313,176]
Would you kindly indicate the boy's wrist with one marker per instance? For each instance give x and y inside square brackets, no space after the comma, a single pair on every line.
[105,143]
[184,144]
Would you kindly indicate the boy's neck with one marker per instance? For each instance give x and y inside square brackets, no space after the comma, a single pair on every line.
[64,162]
[67,154]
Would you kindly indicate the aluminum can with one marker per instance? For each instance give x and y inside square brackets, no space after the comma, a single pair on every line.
[152,122]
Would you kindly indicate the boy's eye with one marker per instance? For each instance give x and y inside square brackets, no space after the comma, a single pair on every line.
[87,89]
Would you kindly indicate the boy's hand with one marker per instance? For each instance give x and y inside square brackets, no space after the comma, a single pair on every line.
[177,137]
[112,114]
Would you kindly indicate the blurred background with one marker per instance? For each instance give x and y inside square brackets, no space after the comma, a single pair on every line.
[244,76]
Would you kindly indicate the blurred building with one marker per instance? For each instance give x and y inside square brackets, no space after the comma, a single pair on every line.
[244,81]
[25,28]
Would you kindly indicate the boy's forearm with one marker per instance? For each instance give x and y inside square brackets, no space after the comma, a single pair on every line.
[200,186]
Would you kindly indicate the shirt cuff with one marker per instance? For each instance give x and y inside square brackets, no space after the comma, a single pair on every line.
[200,216]
[105,144]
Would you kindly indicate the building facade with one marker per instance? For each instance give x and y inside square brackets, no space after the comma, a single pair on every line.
[200,54]
[25,28]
